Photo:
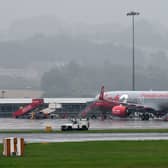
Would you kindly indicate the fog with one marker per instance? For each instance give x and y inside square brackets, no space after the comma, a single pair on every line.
[88,11]
[42,41]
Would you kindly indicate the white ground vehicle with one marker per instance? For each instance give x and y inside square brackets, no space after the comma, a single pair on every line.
[76,124]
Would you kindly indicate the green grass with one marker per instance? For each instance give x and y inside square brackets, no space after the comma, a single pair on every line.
[91,131]
[108,154]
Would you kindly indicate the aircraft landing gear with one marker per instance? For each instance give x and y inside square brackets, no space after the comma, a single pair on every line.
[145,117]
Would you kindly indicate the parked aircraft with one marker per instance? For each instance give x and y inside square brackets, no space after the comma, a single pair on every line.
[144,104]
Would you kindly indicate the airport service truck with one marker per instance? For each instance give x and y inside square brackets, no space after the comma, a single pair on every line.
[76,124]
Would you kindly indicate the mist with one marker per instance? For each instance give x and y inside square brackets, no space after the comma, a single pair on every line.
[42,42]
[88,11]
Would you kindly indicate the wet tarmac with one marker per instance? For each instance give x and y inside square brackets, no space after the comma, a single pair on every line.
[27,124]
[79,137]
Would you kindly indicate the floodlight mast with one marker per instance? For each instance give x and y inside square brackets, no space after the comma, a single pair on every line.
[133,14]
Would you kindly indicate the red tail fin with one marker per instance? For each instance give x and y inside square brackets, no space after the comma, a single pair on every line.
[101,97]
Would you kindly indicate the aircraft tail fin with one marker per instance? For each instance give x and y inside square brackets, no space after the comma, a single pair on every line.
[101,97]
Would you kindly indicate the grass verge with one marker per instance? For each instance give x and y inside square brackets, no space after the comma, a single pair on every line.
[108,154]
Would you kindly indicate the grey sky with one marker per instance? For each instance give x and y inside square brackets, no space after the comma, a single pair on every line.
[91,11]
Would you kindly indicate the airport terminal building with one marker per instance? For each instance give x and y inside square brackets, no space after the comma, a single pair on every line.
[63,106]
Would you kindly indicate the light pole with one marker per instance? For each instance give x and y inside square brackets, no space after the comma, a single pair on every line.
[133,14]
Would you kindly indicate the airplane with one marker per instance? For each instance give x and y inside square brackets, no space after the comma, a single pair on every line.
[144,104]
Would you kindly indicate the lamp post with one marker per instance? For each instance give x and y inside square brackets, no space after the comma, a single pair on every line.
[133,14]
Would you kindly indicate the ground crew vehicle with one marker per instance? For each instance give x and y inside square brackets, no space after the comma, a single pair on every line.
[76,124]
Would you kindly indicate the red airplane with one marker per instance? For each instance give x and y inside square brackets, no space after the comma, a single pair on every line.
[144,104]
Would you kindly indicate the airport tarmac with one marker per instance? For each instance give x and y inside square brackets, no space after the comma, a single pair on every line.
[27,124]
[80,137]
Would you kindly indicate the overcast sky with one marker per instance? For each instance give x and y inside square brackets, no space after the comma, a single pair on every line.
[90,11]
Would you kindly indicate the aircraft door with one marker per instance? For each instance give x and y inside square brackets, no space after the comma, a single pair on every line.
[141,100]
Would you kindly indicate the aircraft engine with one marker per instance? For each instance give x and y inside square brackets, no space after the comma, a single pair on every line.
[119,110]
